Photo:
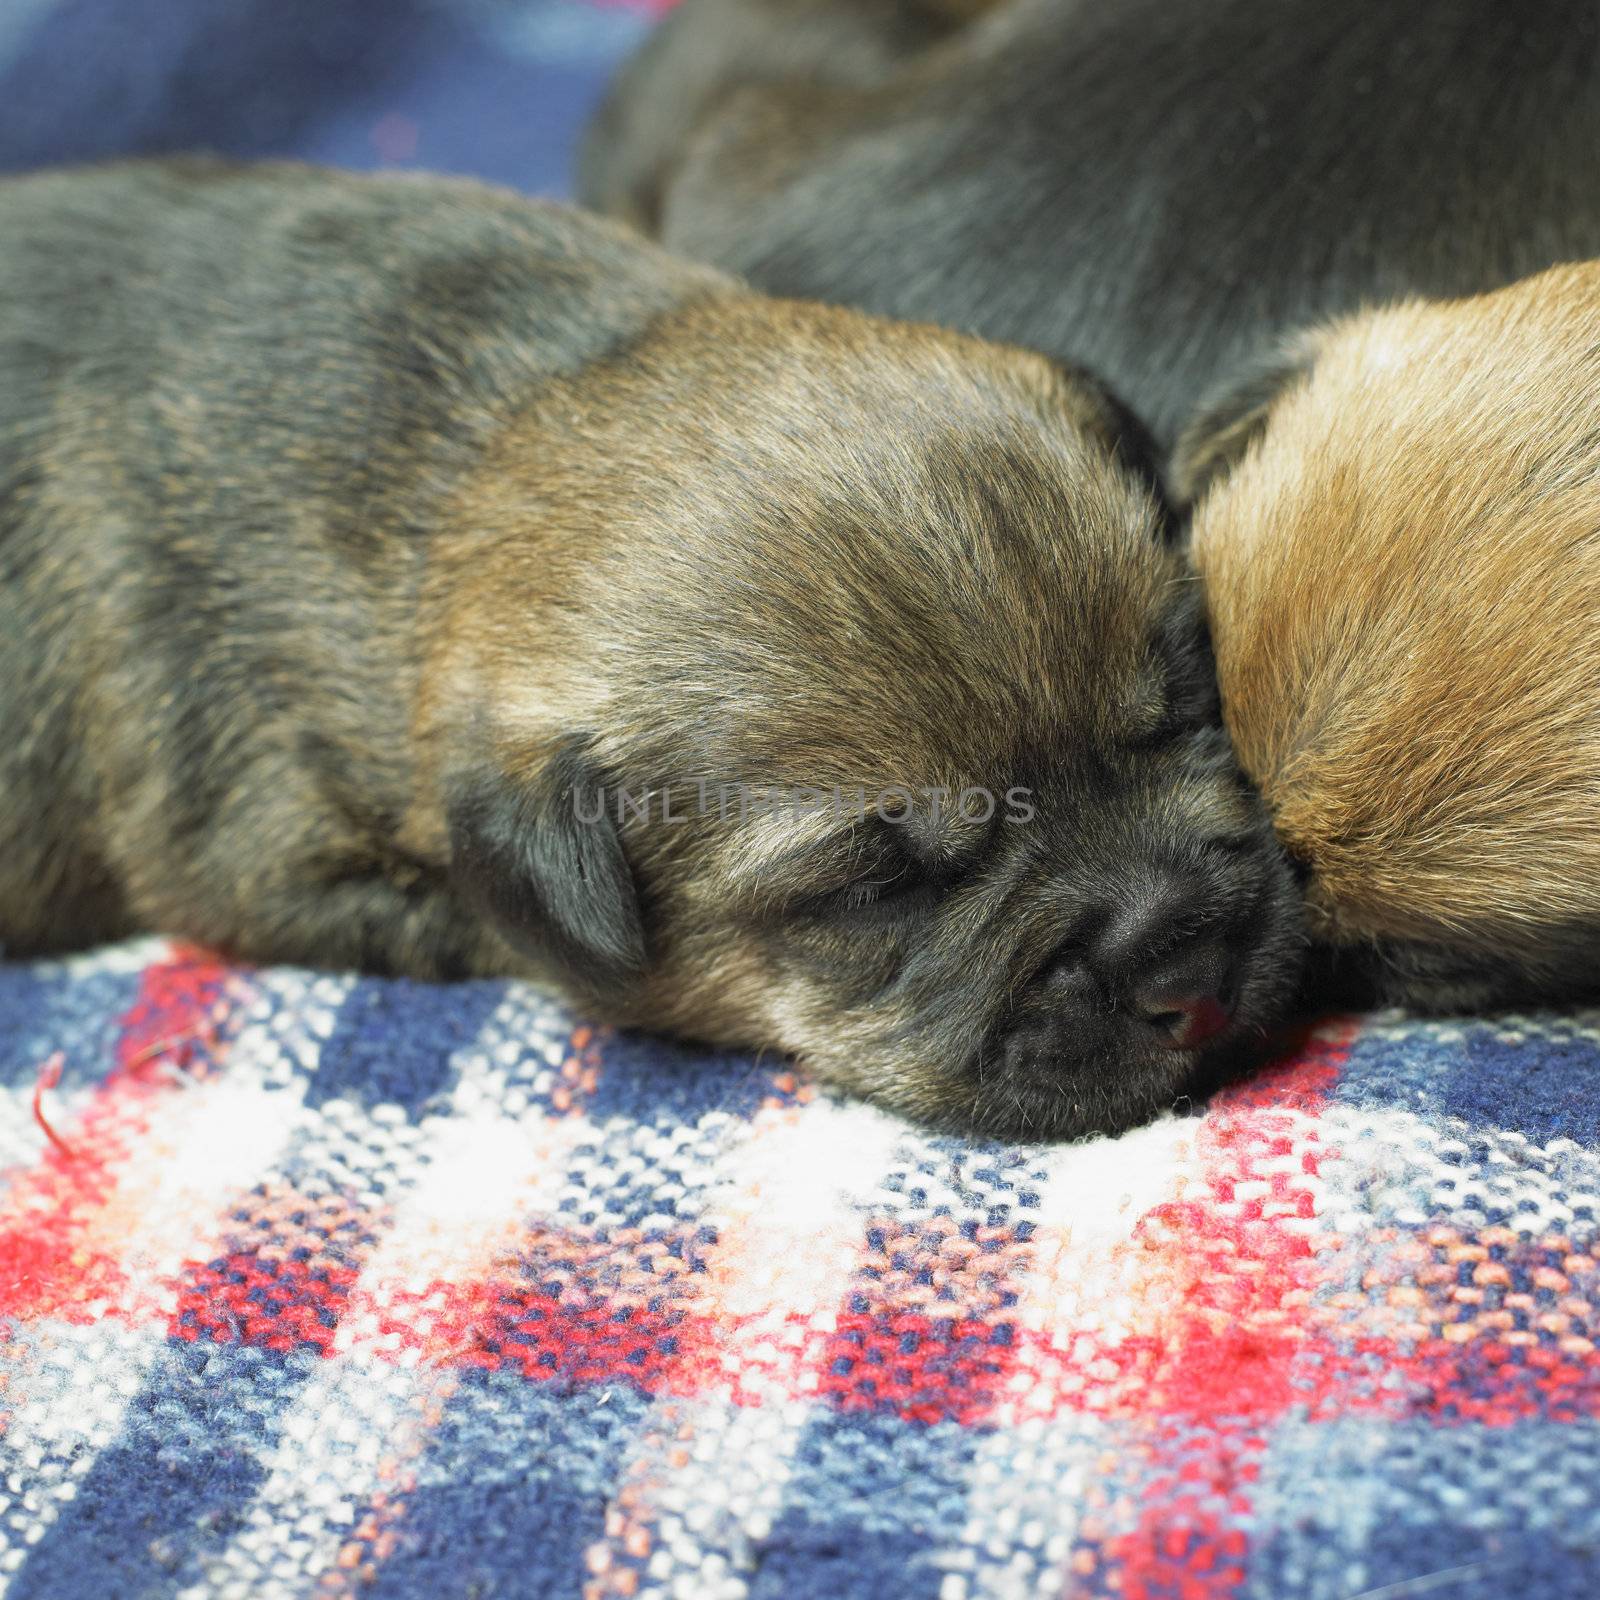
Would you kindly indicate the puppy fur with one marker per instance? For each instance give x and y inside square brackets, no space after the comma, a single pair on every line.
[1403,574]
[353,531]
[1156,190]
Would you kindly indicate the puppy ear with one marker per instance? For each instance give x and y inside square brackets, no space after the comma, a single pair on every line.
[545,859]
[1233,418]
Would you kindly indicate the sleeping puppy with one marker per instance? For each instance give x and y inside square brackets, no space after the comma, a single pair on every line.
[397,574]
[1403,572]
[1155,190]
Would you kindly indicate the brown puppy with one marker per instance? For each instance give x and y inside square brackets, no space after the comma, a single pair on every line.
[399,574]
[1403,572]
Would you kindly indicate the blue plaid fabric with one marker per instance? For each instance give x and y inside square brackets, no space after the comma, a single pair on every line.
[317,1286]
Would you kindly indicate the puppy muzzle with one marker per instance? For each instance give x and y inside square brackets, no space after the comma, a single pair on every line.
[1163,972]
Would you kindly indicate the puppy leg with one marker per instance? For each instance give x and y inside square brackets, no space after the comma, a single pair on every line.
[343,911]
[370,921]
[280,868]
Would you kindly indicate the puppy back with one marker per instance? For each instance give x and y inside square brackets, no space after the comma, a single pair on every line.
[234,402]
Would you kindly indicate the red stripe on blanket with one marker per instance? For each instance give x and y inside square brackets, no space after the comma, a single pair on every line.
[924,1329]
[923,1368]
[59,1256]
[1232,1354]
[271,1304]
[543,1335]
[283,1277]
[173,1021]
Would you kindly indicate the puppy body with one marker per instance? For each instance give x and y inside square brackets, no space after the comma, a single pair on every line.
[234,404]
[366,544]
[1156,190]
[1403,572]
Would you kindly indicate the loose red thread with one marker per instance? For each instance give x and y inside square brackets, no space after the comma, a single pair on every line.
[49,1077]
[183,1045]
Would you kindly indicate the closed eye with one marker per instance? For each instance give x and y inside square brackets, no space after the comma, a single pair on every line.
[879,886]
[884,875]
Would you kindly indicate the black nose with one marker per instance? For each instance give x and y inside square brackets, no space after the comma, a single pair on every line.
[1186,1000]
[1160,958]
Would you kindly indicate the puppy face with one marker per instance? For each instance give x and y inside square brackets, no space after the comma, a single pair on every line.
[1404,582]
[842,556]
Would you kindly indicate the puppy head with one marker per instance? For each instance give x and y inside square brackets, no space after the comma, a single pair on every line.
[823,684]
[1403,576]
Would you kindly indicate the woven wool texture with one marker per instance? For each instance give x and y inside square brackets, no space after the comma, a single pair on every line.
[332,1286]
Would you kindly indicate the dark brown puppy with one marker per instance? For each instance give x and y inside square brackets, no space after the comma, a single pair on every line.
[1403,573]
[1153,189]
[366,544]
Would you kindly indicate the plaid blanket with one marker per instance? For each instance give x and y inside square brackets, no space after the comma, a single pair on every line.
[315,1286]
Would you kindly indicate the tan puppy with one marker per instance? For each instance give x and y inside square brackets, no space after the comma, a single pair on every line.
[1403,575]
